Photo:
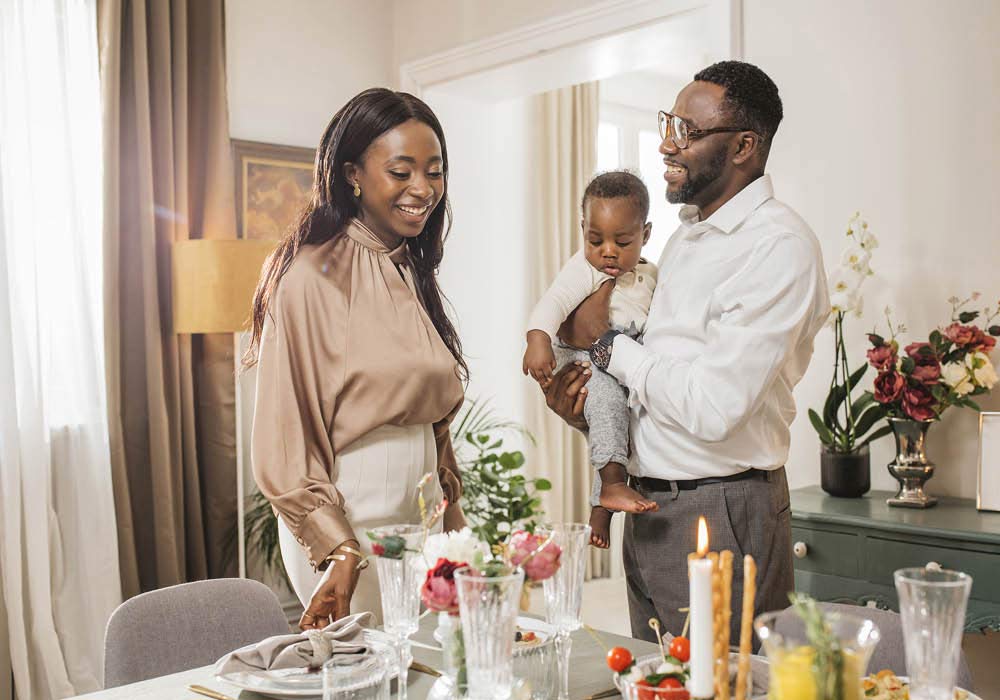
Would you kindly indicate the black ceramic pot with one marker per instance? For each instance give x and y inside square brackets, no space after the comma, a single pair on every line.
[846,474]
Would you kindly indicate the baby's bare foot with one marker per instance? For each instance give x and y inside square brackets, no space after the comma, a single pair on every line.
[600,527]
[619,496]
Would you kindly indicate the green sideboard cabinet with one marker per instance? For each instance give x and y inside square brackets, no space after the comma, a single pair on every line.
[846,549]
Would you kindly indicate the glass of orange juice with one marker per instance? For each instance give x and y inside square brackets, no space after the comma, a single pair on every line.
[796,668]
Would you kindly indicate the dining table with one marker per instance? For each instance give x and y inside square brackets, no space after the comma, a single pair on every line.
[589,674]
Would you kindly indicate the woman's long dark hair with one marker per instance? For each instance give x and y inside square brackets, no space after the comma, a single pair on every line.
[363,119]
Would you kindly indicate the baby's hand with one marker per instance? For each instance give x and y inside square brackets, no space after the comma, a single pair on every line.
[539,360]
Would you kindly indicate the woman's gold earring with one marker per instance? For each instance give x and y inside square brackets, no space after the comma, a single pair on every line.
[357,190]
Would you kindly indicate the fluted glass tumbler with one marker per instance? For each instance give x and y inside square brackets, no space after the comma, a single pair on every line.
[488,607]
[932,606]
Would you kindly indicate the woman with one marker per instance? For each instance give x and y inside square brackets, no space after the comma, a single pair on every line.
[359,369]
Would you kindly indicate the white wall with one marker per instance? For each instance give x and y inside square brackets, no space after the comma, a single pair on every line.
[483,269]
[292,65]
[891,108]
[430,26]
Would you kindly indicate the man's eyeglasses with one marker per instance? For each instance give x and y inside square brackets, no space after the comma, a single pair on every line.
[682,134]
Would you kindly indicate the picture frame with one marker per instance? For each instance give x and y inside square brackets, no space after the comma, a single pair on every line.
[273,184]
[988,481]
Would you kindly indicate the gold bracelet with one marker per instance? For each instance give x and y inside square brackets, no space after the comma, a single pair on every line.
[350,550]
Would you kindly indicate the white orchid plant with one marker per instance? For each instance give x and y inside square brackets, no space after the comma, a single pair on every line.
[845,423]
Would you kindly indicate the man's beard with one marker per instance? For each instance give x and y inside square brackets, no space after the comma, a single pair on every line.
[695,184]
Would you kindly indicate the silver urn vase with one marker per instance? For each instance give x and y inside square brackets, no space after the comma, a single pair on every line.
[911,468]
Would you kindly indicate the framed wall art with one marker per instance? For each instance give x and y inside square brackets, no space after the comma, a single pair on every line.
[988,483]
[273,184]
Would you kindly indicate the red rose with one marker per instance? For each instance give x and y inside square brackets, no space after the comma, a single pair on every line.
[888,386]
[914,350]
[377,549]
[960,335]
[981,342]
[917,400]
[882,357]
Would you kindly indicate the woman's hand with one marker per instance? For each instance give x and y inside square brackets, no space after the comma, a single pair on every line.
[566,393]
[331,600]
[589,321]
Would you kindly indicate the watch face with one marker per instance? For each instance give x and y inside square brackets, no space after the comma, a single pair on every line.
[602,355]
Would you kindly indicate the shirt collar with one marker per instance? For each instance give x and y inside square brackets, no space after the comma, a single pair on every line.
[734,212]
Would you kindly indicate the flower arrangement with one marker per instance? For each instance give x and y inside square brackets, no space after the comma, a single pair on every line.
[930,376]
[845,423]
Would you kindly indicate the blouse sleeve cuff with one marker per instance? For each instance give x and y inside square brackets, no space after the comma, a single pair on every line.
[323,530]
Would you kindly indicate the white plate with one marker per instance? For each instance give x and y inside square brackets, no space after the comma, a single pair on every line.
[291,683]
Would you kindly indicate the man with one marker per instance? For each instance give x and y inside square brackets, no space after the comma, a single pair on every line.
[740,297]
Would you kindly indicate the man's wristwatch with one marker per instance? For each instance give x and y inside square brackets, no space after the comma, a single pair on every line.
[600,351]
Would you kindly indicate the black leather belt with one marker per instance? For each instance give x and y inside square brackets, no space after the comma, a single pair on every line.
[650,484]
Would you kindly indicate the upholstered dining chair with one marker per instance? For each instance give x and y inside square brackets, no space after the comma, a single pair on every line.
[889,652]
[186,626]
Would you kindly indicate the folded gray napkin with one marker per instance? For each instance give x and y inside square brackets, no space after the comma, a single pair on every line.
[310,649]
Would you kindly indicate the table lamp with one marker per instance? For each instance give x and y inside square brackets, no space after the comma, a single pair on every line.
[213,286]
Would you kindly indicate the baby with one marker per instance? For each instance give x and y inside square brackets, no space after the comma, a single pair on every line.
[615,206]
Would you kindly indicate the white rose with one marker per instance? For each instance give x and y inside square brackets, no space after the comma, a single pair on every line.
[983,372]
[956,375]
[458,546]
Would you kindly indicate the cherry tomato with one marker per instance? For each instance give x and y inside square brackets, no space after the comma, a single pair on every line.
[670,682]
[646,691]
[619,659]
[680,648]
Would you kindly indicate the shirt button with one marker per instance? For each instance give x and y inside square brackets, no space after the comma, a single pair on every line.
[640,278]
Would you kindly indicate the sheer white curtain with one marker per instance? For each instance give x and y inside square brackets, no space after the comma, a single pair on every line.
[58,547]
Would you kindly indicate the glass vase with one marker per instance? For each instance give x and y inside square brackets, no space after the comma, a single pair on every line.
[488,607]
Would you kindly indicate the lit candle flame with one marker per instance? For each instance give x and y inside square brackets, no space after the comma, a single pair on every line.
[702,536]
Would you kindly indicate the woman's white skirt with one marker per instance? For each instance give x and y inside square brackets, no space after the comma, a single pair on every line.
[377,476]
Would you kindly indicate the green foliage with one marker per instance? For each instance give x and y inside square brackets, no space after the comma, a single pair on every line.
[497,497]
[845,424]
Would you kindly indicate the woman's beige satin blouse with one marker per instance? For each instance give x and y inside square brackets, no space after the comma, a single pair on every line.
[346,348]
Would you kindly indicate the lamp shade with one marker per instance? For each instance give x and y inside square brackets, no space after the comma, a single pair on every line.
[214,281]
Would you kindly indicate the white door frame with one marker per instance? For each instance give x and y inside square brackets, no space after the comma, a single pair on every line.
[567,30]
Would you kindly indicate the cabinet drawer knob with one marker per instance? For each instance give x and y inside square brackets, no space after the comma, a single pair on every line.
[933,566]
[800,550]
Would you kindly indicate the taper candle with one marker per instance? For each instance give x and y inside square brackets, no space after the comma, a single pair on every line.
[701,683]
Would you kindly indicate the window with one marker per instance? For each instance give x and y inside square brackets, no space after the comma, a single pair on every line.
[627,138]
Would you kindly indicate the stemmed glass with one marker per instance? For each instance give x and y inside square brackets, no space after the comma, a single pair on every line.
[399,583]
[564,591]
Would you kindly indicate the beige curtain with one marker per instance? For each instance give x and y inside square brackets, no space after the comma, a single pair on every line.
[168,177]
[565,140]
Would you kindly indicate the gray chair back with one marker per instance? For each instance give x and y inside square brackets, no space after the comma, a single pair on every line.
[889,652]
[183,627]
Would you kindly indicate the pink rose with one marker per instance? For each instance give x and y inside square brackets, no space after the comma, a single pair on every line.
[917,400]
[439,592]
[882,357]
[524,552]
[927,367]
[888,386]
[960,335]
